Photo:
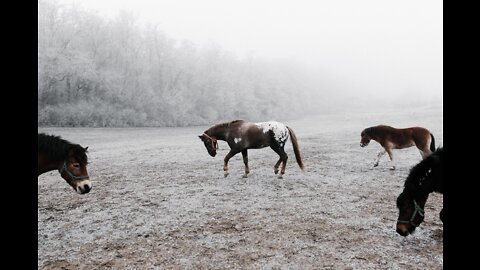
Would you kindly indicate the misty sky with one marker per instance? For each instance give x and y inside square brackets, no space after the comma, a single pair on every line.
[392,48]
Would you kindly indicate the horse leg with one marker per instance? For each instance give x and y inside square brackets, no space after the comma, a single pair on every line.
[378,157]
[283,158]
[275,168]
[245,161]
[390,154]
[425,152]
[282,172]
[225,164]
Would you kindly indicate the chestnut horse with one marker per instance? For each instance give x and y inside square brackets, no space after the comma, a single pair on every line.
[424,178]
[398,138]
[55,153]
[241,136]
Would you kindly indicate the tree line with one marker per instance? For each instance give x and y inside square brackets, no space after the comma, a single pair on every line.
[99,72]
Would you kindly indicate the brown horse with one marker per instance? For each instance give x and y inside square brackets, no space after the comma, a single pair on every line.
[398,138]
[241,136]
[69,159]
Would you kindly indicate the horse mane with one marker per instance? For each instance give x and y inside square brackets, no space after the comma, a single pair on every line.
[427,175]
[57,148]
[223,125]
[378,126]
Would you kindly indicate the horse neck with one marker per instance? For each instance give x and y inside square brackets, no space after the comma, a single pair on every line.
[417,192]
[417,189]
[218,132]
[373,133]
[45,165]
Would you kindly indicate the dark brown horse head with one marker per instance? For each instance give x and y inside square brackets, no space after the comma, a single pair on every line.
[74,170]
[365,137]
[210,143]
[411,213]
[424,178]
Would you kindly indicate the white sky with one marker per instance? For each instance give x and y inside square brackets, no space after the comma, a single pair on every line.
[368,45]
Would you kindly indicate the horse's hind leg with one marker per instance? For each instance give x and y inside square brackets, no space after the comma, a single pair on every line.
[283,159]
[380,155]
[282,172]
[245,161]
[424,152]
[275,168]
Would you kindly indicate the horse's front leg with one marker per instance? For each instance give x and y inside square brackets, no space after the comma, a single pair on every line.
[380,155]
[245,161]
[225,161]
[390,154]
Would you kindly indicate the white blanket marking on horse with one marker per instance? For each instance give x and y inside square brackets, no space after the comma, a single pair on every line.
[280,131]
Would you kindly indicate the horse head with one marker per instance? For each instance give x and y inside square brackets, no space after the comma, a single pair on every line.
[74,170]
[424,178]
[411,212]
[210,143]
[365,137]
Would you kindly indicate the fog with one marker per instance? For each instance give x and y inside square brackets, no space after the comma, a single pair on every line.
[340,54]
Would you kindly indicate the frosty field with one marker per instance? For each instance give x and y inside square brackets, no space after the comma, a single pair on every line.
[159,201]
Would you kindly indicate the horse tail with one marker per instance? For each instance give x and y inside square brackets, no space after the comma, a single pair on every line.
[432,144]
[296,149]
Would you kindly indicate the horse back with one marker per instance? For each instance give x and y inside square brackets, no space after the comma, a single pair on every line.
[245,134]
[391,137]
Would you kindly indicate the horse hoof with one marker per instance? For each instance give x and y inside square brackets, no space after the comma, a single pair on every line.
[275,171]
[280,177]
[392,168]
[375,165]
[245,176]
[225,174]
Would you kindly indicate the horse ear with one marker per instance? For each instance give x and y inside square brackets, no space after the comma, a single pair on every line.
[86,148]
[201,137]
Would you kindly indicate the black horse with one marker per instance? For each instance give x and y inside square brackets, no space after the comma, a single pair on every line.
[241,135]
[424,178]
[55,153]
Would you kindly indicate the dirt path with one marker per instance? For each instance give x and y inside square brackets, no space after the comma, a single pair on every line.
[159,201]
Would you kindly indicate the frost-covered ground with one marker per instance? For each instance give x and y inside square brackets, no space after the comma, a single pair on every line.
[159,201]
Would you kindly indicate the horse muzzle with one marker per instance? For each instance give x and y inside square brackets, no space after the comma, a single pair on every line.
[83,186]
[363,144]
[405,229]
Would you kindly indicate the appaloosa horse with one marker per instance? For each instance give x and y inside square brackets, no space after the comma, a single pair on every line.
[398,138]
[241,135]
[55,153]
[424,178]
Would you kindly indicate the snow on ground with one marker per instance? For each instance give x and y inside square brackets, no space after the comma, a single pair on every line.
[159,201]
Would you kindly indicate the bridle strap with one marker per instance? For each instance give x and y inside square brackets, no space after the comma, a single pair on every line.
[418,210]
[214,141]
[72,176]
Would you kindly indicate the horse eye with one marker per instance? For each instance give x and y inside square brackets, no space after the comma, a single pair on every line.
[76,165]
